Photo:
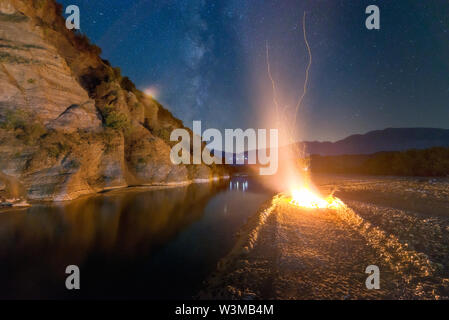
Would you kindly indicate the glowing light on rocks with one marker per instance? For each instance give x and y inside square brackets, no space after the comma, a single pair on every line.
[152,92]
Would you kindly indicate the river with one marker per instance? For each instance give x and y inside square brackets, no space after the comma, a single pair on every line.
[129,243]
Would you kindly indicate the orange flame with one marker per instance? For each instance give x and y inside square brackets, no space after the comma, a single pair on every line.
[304,197]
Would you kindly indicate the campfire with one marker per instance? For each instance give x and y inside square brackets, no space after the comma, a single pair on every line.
[306,198]
[296,162]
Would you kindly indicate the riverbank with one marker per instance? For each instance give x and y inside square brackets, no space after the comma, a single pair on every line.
[22,203]
[286,252]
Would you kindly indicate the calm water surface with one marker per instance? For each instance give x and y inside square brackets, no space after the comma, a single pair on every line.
[135,243]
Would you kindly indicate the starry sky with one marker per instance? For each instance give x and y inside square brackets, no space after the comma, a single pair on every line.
[206,60]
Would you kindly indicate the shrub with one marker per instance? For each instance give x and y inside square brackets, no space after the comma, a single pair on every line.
[33,46]
[25,128]
[115,119]
[164,134]
[9,46]
[32,132]
[57,149]
[127,84]
[14,119]
[82,43]
[117,72]
[9,58]
[38,4]
[15,17]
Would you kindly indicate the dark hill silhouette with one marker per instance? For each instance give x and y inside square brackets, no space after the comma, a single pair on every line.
[390,139]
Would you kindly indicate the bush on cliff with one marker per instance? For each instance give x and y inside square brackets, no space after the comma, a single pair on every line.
[115,119]
[23,125]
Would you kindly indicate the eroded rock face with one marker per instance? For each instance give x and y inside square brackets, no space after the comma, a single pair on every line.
[6,7]
[33,76]
[77,117]
[70,124]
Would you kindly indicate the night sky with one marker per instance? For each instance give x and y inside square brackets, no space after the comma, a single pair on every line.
[205,60]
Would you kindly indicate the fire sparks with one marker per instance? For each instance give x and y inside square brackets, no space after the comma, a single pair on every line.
[304,197]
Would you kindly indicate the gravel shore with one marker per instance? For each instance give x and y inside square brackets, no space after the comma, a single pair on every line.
[287,252]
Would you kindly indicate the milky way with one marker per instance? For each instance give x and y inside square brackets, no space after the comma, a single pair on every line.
[207,59]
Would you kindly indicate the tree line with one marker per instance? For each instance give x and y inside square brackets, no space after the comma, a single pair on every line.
[427,162]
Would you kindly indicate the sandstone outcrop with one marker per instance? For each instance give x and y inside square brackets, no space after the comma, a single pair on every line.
[70,123]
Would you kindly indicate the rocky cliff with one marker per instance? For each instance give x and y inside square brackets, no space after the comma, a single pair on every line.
[70,124]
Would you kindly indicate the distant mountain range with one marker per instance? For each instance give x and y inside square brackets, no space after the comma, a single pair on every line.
[390,139]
